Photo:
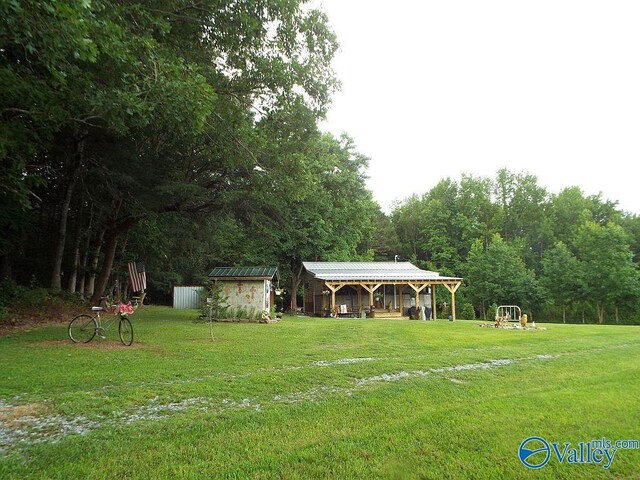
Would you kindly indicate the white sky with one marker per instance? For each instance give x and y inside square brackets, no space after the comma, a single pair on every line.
[432,89]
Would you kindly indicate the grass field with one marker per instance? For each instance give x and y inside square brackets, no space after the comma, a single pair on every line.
[315,398]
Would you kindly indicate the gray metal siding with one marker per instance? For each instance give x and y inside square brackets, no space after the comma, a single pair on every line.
[371,271]
[186,297]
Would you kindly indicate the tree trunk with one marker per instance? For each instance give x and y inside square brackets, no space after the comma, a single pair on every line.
[93,264]
[600,309]
[5,268]
[616,314]
[56,274]
[73,275]
[83,275]
[85,254]
[296,277]
[110,246]
[564,313]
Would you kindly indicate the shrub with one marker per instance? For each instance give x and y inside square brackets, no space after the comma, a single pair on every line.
[10,292]
[213,301]
[24,305]
[467,312]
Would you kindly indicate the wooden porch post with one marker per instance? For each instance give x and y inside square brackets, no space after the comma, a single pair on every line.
[452,289]
[418,290]
[370,288]
[324,301]
[359,300]
[434,306]
[334,288]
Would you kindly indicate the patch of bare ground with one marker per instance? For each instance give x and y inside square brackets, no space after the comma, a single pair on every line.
[11,415]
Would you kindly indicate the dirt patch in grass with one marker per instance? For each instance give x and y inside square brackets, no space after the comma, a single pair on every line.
[11,415]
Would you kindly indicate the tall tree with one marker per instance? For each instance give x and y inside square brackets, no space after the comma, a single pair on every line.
[561,276]
[608,270]
[525,208]
[162,97]
[497,274]
[407,218]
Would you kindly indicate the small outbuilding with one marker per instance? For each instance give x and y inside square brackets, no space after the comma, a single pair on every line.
[250,288]
[339,287]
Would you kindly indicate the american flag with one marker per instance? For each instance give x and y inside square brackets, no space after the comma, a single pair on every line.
[137,276]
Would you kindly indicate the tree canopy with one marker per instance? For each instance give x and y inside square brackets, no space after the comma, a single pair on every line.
[185,133]
[561,256]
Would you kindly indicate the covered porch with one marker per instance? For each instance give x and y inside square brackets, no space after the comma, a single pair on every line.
[357,288]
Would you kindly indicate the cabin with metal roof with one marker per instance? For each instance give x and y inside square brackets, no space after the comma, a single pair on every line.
[338,288]
[250,288]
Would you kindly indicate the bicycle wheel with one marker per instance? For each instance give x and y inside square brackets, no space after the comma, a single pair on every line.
[125,330]
[82,329]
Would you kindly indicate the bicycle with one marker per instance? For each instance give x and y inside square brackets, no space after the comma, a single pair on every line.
[83,328]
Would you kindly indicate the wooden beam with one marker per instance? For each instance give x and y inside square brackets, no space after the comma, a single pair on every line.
[418,290]
[334,287]
[453,305]
[452,289]
[434,305]
[370,288]
[333,301]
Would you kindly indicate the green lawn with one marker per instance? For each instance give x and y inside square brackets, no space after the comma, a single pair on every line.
[315,398]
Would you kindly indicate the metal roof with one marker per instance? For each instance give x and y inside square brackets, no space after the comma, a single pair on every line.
[385,271]
[244,272]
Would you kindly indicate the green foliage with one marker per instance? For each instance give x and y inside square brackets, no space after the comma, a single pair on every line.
[467,312]
[185,131]
[562,277]
[213,302]
[15,295]
[185,134]
[609,274]
[498,274]
[539,260]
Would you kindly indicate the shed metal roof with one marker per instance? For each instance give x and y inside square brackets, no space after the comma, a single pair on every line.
[385,271]
[244,272]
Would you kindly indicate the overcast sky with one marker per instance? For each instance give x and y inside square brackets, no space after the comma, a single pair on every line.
[434,89]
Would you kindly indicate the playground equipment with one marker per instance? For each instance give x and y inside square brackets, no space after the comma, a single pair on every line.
[512,313]
[506,314]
